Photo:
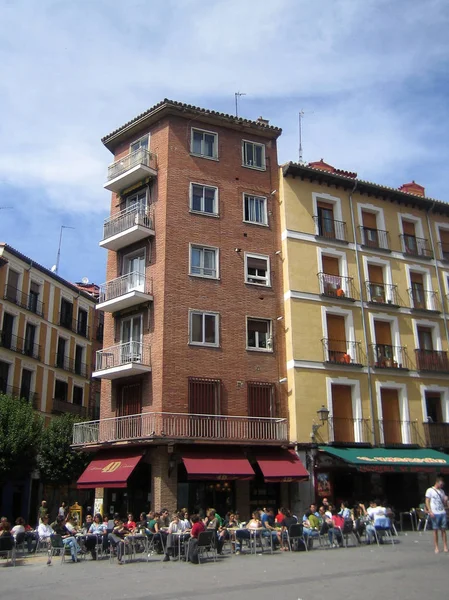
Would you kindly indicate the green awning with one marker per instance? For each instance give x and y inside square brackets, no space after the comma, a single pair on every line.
[383,460]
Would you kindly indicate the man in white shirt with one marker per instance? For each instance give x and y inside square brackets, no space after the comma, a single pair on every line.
[44,531]
[436,502]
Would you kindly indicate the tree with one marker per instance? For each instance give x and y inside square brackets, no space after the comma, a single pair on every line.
[20,435]
[57,462]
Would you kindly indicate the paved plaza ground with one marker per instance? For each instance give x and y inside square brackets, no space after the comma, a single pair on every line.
[409,571]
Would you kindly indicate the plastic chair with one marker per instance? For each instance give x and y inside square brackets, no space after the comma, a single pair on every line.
[8,549]
[206,545]
[296,532]
[57,547]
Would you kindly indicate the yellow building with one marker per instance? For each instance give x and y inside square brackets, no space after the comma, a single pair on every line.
[366,282]
[48,330]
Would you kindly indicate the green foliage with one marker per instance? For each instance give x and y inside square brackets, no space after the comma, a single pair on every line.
[20,435]
[57,462]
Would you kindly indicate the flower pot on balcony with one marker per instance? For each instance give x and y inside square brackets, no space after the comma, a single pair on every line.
[388,363]
[340,293]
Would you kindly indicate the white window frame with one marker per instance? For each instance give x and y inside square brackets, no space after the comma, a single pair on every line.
[387,274]
[342,267]
[265,209]
[204,131]
[259,257]
[349,323]
[394,323]
[444,394]
[438,227]
[203,212]
[204,313]
[427,280]
[269,347]
[337,210]
[139,140]
[404,414]
[264,157]
[357,413]
[435,329]
[419,231]
[144,206]
[380,218]
[217,261]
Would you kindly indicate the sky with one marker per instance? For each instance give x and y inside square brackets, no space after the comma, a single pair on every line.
[372,77]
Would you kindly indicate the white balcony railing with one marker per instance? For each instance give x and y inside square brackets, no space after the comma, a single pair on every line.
[123,354]
[134,159]
[126,219]
[131,282]
[180,426]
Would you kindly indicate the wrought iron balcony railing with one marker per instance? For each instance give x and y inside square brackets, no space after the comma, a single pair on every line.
[432,360]
[348,431]
[20,345]
[15,392]
[131,282]
[123,354]
[444,250]
[26,301]
[134,159]
[436,435]
[384,356]
[398,433]
[342,352]
[421,299]
[62,406]
[125,219]
[79,327]
[374,238]
[382,293]
[336,286]
[415,246]
[70,364]
[330,229]
[181,426]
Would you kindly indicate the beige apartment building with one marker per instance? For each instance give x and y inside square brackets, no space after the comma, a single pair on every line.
[366,283]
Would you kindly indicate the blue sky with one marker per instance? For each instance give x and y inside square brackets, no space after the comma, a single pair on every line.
[371,75]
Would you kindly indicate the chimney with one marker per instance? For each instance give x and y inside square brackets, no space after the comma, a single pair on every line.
[413,188]
[263,121]
[320,164]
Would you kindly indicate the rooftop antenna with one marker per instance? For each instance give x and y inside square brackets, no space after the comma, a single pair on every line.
[301,116]
[55,267]
[237,98]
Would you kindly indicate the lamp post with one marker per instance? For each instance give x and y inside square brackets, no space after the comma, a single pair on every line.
[323,415]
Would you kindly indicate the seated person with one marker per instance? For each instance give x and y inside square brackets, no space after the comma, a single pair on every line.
[142,523]
[87,523]
[185,518]
[335,532]
[5,528]
[245,533]
[286,523]
[268,522]
[345,511]
[130,523]
[377,515]
[71,524]
[97,531]
[311,522]
[177,526]
[197,528]
[117,538]
[67,538]
[280,516]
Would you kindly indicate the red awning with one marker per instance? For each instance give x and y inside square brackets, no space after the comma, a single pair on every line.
[224,465]
[109,470]
[283,465]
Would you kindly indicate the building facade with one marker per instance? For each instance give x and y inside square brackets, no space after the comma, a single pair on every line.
[366,282]
[48,328]
[191,402]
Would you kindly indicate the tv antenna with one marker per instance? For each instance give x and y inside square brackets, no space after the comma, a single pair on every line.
[55,267]
[301,117]
[237,98]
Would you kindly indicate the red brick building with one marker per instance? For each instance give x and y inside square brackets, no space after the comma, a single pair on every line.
[192,409]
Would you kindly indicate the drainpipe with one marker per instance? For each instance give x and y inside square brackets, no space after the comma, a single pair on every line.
[364,326]
[440,287]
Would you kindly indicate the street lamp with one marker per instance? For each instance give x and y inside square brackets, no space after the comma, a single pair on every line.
[323,414]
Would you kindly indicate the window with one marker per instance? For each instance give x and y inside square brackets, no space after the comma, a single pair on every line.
[204,143]
[77,395]
[204,396]
[134,268]
[203,199]
[204,328]
[4,372]
[136,201]
[33,300]
[253,155]
[204,261]
[141,144]
[60,354]
[61,390]
[30,334]
[12,286]
[66,314]
[258,334]
[444,243]
[257,269]
[255,209]
[260,399]
[79,366]
[6,338]
[82,322]
[25,384]
[434,407]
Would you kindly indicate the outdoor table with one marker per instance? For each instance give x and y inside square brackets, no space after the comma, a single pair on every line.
[179,535]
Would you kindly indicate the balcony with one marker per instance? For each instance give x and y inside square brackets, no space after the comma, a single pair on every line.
[130,170]
[384,356]
[26,301]
[336,286]
[374,238]
[63,407]
[15,392]
[330,229]
[414,246]
[437,435]
[399,433]
[348,431]
[79,327]
[127,227]
[444,251]
[421,299]
[123,360]
[182,426]
[125,291]
[20,345]
[432,360]
[342,353]
[69,364]
[382,293]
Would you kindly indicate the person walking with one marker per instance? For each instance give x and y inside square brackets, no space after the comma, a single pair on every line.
[436,501]
[42,512]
